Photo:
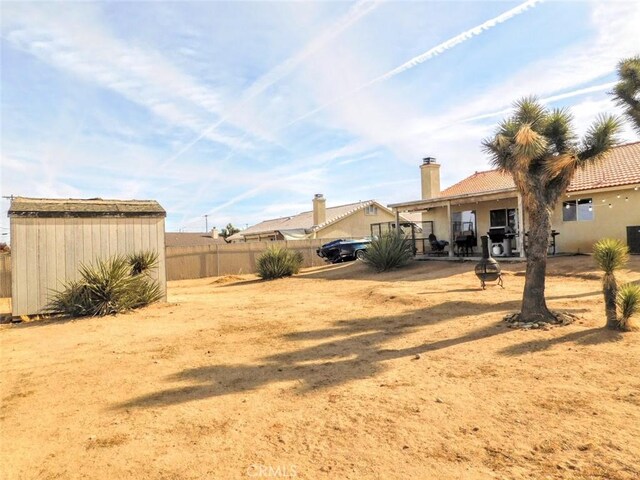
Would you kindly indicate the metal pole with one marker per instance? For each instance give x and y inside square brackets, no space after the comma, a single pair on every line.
[206,223]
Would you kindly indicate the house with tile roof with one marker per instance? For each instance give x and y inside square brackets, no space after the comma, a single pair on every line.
[353,220]
[602,200]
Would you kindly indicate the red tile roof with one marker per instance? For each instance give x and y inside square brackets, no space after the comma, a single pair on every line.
[621,166]
[480,182]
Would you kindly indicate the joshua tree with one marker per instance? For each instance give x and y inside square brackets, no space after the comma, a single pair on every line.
[539,149]
[610,255]
[627,90]
[228,231]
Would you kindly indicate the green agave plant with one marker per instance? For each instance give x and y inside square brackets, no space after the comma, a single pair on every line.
[108,287]
[388,251]
[278,262]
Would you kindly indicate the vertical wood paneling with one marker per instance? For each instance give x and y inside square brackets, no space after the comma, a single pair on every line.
[61,264]
[51,251]
[137,234]
[113,237]
[104,237]
[31,239]
[69,249]
[42,264]
[48,252]
[121,233]
[130,236]
[160,248]
[96,241]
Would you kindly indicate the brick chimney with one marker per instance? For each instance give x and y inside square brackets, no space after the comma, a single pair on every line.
[430,178]
[319,209]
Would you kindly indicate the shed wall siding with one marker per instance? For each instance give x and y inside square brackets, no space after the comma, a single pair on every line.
[47,252]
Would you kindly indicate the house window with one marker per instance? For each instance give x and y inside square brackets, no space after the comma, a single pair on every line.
[370,210]
[464,221]
[577,210]
[505,217]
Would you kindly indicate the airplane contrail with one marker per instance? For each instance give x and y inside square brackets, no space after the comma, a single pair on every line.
[355,13]
[423,57]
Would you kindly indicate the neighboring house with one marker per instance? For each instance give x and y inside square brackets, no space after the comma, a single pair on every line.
[189,239]
[354,220]
[603,200]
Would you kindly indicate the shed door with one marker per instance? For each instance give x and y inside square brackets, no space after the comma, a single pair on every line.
[633,239]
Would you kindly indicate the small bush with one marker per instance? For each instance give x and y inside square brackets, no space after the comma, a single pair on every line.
[610,254]
[628,302]
[142,262]
[278,262]
[108,287]
[388,251]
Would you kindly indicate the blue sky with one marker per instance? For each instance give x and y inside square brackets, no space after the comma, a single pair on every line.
[244,110]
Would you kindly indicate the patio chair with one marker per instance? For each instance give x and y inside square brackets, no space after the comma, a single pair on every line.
[437,246]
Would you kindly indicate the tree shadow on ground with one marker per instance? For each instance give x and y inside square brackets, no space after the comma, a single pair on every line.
[591,336]
[348,350]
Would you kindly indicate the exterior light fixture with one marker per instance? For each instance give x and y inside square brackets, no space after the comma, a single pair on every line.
[610,206]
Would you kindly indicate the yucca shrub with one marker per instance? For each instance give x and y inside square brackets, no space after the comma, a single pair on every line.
[142,262]
[610,254]
[388,251]
[628,302]
[108,287]
[278,262]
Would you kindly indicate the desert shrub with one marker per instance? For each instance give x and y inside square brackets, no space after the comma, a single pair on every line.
[142,262]
[278,262]
[107,287]
[388,251]
[610,254]
[628,304]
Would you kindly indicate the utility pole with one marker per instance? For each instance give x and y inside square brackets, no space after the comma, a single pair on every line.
[206,223]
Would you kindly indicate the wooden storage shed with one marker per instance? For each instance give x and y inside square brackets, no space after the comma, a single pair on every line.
[51,238]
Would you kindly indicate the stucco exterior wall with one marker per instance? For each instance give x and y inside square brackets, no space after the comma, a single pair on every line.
[579,236]
[355,225]
[575,236]
[440,222]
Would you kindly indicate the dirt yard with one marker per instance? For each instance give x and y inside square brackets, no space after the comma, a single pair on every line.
[335,373]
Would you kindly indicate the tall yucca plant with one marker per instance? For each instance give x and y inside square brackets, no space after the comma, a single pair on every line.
[627,90]
[539,148]
[388,251]
[610,255]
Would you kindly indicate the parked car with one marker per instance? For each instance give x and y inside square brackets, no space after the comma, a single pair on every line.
[341,250]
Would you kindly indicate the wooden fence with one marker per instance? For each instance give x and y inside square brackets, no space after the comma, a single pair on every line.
[5,275]
[202,261]
[231,259]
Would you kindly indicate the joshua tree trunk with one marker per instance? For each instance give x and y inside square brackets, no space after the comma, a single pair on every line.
[610,291]
[534,306]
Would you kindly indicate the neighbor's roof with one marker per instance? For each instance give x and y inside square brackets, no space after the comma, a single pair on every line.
[189,239]
[620,166]
[93,207]
[304,220]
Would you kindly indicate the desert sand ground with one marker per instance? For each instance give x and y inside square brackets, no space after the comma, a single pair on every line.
[335,373]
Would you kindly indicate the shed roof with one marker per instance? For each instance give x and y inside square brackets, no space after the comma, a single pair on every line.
[92,207]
